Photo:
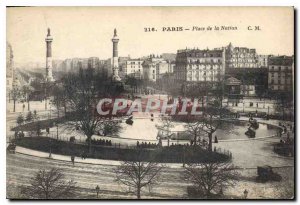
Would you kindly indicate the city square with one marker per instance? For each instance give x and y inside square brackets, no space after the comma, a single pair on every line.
[199,123]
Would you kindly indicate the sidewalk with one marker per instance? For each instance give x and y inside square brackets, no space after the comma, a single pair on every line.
[25,151]
[40,154]
[67,159]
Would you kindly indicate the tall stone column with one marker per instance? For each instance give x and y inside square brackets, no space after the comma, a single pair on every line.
[49,40]
[115,58]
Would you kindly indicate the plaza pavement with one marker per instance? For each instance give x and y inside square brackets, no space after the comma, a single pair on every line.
[247,154]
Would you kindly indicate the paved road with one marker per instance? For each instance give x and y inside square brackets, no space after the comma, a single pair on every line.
[245,154]
[20,168]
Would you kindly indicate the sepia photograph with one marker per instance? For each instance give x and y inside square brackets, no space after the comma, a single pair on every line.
[150,103]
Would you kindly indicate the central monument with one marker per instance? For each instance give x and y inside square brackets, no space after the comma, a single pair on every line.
[115,59]
[49,39]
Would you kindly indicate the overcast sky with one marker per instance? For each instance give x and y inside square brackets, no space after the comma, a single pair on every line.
[87,31]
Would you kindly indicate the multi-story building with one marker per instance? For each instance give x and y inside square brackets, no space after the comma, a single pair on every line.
[93,63]
[162,68]
[248,67]
[194,65]
[134,68]
[241,57]
[67,65]
[9,67]
[149,70]
[280,74]
[57,65]
[263,60]
[155,67]
[84,63]
[75,64]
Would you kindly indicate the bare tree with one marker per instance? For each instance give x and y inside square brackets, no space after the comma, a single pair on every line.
[195,130]
[211,178]
[165,128]
[49,185]
[59,97]
[15,94]
[138,174]
[209,122]
[82,96]
[110,127]
[20,120]
[27,90]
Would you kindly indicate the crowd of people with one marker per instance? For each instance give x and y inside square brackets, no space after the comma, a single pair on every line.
[101,142]
[146,145]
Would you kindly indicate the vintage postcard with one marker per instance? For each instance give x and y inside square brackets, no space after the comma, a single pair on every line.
[150,103]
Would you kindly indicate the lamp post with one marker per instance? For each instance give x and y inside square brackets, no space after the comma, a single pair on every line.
[56,124]
[50,151]
[243,106]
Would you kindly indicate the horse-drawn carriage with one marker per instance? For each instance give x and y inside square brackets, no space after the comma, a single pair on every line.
[265,173]
[253,123]
[250,132]
[11,148]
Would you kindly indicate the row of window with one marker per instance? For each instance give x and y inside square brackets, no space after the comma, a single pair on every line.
[134,62]
[280,68]
[234,65]
[205,60]
[279,75]
[133,71]
[243,60]
[204,79]
[204,68]
[133,66]
[281,82]
[280,87]
[204,73]
[204,55]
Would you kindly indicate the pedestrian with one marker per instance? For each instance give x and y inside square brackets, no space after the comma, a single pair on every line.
[83,155]
[216,139]
[245,194]
[73,159]
[97,190]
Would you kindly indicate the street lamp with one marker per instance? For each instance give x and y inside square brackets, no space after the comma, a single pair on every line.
[243,106]
[56,124]
[50,151]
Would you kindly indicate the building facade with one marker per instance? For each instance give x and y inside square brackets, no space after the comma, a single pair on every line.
[134,68]
[155,67]
[93,63]
[263,61]
[280,74]
[194,65]
[241,57]
[9,67]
